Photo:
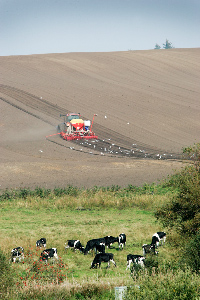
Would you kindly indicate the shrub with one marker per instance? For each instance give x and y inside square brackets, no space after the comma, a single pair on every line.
[167,285]
[183,211]
[191,253]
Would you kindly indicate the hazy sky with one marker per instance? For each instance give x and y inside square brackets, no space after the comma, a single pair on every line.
[58,26]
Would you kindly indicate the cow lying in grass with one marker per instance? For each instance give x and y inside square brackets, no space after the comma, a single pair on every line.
[49,253]
[149,249]
[135,259]
[17,254]
[41,243]
[102,257]
[74,244]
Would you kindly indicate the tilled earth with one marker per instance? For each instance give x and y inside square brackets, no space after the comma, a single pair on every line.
[143,121]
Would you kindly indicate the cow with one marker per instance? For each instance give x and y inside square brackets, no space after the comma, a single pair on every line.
[17,254]
[158,237]
[93,244]
[109,240]
[102,257]
[122,240]
[100,248]
[49,253]
[75,244]
[41,243]
[136,259]
[149,248]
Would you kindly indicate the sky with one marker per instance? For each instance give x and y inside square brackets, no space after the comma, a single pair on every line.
[61,26]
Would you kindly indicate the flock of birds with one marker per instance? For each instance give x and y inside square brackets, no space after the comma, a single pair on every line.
[106,147]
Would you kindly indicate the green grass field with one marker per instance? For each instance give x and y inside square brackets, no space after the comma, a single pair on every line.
[84,216]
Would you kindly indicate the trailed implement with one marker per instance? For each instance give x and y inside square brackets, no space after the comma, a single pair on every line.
[75,128]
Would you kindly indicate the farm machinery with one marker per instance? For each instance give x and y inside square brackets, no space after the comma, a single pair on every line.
[74,128]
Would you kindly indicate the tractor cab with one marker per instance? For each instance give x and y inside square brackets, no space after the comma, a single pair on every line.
[71,116]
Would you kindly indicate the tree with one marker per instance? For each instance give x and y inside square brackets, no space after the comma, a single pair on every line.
[157,46]
[167,45]
[193,153]
[183,211]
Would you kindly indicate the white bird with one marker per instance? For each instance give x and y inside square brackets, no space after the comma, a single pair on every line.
[105,117]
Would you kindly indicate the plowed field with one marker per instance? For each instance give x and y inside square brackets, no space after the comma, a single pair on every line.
[147,106]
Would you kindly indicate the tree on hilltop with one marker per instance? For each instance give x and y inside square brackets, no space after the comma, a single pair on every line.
[157,46]
[167,45]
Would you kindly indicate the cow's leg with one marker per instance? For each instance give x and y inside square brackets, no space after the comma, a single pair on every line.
[113,262]
[55,255]
[108,264]
[128,264]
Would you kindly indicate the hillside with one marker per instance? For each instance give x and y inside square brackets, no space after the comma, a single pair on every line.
[147,104]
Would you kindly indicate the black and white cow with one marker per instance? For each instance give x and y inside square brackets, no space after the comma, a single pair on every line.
[122,240]
[94,244]
[75,244]
[149,248]
[100,248]
[49,253]
[41,243]
[17,254]
[109,240]
[158,237]
[102,257]
[137,259]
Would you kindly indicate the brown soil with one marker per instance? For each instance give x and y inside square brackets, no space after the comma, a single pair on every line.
[147,104]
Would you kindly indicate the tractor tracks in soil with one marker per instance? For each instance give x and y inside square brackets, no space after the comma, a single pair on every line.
[110,142]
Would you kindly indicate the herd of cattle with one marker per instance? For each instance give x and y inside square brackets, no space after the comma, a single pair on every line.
[99,245]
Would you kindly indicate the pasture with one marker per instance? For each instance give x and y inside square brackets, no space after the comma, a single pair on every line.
[84,215]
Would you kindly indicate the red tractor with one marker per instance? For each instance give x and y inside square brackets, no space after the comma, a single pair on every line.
[74,128]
